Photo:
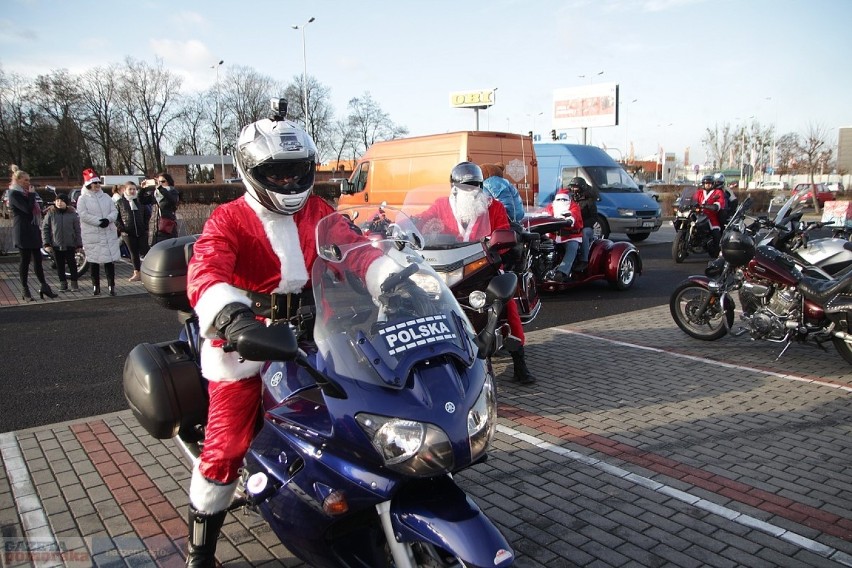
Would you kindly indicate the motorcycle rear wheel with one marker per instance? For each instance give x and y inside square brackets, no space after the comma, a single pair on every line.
[684,304]
[843,348]
[680,247]
[627,269]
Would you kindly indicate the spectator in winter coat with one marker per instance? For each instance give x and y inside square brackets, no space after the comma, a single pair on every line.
[61,234]
[100,236]
[26,232]
[132,223]
[167,199]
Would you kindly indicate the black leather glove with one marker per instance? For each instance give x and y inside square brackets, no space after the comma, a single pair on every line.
[233,320]
[103,223]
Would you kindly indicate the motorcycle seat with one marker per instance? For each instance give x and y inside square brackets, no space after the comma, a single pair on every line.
[821,291]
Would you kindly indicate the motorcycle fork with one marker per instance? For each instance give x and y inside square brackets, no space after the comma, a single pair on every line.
[403,557]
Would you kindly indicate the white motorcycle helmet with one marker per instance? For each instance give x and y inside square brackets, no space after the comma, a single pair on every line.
[277,161]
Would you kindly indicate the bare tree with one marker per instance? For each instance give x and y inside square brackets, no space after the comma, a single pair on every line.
[815,152]
[57,96]
[16,118]
[149,96]
[719,145]
[193,130]
[787,152]
[370,124]
[320,112]
[245,96]
[99,121]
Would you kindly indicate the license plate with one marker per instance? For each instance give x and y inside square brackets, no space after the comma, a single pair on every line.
[647,223]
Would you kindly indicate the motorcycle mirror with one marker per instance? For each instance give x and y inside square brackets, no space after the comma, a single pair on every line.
[502,287]
[276,342]
[503,239]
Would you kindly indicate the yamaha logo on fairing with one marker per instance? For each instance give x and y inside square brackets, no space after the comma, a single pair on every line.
[416,332]
[276,379]
[450,407]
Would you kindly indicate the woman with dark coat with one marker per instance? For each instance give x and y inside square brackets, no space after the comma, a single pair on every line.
[132,223]
[167,199]
[26,232]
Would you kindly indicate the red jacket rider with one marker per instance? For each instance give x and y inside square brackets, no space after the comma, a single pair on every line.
[262,243]
[463,211]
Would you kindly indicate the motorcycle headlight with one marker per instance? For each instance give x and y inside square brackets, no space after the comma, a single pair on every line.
[408,447]
[451,277]
[482,420]
[626,212]
[427,283]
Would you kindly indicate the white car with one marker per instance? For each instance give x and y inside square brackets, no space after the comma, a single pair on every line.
[773,186]
[834,186]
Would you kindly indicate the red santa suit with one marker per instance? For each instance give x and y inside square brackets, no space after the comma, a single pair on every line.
[572,236]
[709,197]
[444,211]
[245,247]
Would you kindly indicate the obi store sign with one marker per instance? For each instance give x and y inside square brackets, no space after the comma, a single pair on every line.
[472,99]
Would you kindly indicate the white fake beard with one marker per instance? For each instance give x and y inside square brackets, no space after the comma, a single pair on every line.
[561,208]
[469,205]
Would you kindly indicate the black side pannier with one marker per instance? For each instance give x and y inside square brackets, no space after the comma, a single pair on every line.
[164,389]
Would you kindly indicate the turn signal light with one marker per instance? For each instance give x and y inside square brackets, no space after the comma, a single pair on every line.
[335,503]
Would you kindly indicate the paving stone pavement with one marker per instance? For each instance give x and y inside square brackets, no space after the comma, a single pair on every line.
[638,446]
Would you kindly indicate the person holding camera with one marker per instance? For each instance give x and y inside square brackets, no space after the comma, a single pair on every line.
[167,199]
[100,237]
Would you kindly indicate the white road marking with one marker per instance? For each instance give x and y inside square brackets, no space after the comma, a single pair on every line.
[703,504]
[786,376]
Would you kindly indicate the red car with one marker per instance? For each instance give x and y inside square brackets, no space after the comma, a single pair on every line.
[806,192]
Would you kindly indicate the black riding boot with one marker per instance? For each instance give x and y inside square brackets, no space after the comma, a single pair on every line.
[522,372]
[203,533]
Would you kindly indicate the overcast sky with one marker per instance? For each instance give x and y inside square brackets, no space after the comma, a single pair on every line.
[688,64]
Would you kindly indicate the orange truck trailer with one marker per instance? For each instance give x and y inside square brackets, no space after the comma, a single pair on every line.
[389,169]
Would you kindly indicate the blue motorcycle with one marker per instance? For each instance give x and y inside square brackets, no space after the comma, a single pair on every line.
[369,407]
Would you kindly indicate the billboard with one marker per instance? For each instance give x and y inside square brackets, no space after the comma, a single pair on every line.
[585,107]
[472,99]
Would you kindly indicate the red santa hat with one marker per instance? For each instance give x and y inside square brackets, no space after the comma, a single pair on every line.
[90,176]
[564,191]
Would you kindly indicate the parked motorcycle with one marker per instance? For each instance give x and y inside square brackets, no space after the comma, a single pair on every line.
[821,258]
[778,303]
[618,263]
[369,407]
[693,233]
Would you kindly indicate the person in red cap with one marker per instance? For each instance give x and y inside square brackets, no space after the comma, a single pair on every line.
[571,237]
[100,237]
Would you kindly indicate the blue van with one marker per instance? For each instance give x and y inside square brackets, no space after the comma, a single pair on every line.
[622,206]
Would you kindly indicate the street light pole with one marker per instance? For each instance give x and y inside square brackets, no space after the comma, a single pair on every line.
[305,63]
[219,118]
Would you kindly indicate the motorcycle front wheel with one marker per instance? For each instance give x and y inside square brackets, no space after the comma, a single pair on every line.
[709,325]
[680,247]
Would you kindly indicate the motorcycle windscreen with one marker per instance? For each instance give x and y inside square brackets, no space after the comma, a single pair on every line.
[378,340]
[449,217]
[687,197]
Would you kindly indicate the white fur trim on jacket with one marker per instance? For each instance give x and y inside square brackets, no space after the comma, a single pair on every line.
[211,302]
[218,366]
[378,272]
[283,236]
[208,497]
